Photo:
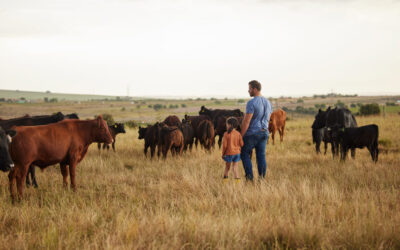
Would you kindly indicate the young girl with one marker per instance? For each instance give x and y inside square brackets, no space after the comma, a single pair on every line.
[231,146]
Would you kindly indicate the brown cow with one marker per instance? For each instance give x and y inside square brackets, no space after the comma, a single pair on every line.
[170,139]
[65,142]
[195,121]
[277,123]
[206,134]
[173,120]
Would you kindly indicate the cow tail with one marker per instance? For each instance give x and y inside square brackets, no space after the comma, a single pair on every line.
[208,127]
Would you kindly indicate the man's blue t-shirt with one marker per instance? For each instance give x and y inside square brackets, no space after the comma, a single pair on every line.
[261,109]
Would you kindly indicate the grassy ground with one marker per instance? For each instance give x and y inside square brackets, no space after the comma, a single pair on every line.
[127,201]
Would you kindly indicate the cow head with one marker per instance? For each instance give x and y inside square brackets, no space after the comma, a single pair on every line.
[119,128]
[320,119]
[6,162]
[72,116]
[335,132]
[142,133]
[203,111]
[100,132]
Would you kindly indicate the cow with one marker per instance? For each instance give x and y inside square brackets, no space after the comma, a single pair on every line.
[195,121]
[172,120]
[330,118]
[64,142]
[188,135]
[170,138]
[214,113]
[115,129]
[220,129]
[150,136]
[6,162]
[206,134]
[360,137]
[321,135]
[277,122]
[28,120]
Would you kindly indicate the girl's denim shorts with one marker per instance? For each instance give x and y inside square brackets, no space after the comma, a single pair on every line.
[232,158]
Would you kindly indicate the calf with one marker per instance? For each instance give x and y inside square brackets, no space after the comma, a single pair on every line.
[277,122]
[5,159]
[195,121]
[352,138]
[64,142]
[170,139]
[172,120]
[188,135]
[115,129]
[150,136]
[206,134]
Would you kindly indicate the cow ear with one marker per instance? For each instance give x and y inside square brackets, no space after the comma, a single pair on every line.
[11,132]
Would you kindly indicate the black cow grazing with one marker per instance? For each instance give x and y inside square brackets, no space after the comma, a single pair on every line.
[321,135]
[6,162]
[220,129]
[206,134]
[150,136]
[115,129]
[330,118]
[352,138]
[188,134]
[34,121]
[195,121]
[170,138]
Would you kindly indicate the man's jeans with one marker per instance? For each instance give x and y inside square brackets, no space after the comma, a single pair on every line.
[259,142]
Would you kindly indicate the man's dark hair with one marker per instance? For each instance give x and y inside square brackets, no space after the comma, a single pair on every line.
[255,85]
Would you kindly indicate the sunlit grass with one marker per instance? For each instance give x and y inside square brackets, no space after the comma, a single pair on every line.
[126,201]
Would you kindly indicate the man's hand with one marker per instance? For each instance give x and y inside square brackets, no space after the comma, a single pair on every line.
[245,123]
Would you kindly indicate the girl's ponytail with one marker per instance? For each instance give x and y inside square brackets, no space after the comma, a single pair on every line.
[233,122]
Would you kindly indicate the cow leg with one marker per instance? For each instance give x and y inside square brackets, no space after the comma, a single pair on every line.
[20,176]
[191,146]
[325,147]
[165,150]
[99,146]
[317,144]
[280,134]
[353,153]
[32,170]
[273,137]
[12,182]
[146,146]
[219,141]
[72,173]
[376,152]
[333,149]
[64,172]
[283,132]
[27,179]
[113,145]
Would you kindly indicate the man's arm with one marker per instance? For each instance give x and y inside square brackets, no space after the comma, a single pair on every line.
[245,123]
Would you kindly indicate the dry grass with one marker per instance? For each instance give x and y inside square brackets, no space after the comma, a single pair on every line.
[125,201]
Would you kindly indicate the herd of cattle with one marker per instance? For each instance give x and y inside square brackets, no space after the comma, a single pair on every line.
[30,141]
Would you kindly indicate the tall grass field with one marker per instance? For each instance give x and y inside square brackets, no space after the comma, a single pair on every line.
[127,201]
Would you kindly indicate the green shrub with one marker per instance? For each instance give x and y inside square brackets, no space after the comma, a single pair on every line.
[108,118]
[183,105]
[131,124]
[370,109]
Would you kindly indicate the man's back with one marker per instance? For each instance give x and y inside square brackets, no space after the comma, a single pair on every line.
[261,109]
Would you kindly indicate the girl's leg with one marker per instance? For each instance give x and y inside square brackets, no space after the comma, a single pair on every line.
[227,167]
[235,169]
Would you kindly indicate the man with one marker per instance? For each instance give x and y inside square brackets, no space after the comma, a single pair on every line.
[255,131]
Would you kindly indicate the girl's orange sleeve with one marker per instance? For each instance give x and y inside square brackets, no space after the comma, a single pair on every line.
[241,141]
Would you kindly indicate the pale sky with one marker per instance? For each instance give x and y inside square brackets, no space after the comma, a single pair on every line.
[200,48]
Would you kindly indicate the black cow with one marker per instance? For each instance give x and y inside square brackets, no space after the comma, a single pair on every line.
[188,134]
[215,113]
[321,135]
[150,136]
[352,138]
[337,117]
[115,129]
[34,121]
[220,129]
[6,162]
